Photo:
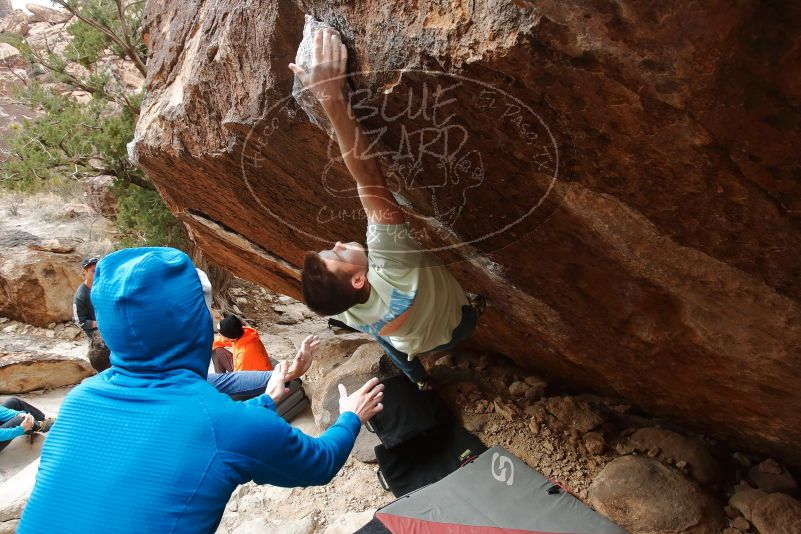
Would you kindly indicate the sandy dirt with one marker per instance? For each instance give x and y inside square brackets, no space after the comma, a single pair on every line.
[61,215]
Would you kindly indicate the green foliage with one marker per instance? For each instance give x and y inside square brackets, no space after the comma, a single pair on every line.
[88,45]
[144,220]
[71,139]
[68,141]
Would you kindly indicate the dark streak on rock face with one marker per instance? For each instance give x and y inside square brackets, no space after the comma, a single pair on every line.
[663,265]
[14,238]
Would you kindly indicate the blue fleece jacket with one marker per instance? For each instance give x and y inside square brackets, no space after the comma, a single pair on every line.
[7,434]
[148,445]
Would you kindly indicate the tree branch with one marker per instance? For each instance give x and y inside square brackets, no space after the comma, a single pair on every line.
[121,13]
[62,71]
[131,4]
[130,51]
[144,184]
[7,63]
[77,82]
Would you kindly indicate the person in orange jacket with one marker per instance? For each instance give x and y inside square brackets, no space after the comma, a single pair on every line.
[243,349]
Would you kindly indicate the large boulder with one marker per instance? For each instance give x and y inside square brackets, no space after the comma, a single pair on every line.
[9,56]
[29,363]
[14,494]
[573,414]
[353,370]
[100,196]
[770,513]
[622,176]
[347,358]
[770,476]
[366,362]
[666,445]
[5,8]
[37,282]
[333,351]
[777,513]
[45,36]
[646,497]
[15,22]
[42,13]
[744,498]
[127,74]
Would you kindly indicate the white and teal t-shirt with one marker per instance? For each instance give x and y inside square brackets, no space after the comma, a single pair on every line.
[415,302]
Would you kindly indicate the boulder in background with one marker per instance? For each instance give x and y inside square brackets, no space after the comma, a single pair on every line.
[100,197]
[42,13]
[644,496]
[366,362]
[37,286]
[28,363]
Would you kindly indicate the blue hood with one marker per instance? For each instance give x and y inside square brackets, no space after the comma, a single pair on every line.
[151,312]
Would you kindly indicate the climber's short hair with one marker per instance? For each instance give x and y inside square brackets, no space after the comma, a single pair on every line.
[324,292]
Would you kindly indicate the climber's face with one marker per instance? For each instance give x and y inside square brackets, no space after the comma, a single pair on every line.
[347,259]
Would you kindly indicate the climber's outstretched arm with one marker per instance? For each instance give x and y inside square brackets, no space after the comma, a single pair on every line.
[326,80]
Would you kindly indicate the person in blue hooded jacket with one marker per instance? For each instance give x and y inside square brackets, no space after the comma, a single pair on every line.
[149,445]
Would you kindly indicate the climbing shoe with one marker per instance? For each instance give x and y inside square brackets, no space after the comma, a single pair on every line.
[44,426]
[425,385]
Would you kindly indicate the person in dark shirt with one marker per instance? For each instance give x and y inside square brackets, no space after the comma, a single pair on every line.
[84,315]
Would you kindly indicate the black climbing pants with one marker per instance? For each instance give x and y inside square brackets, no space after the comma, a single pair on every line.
[13,403]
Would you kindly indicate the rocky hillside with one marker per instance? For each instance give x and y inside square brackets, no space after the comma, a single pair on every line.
[42,28]
[619,178]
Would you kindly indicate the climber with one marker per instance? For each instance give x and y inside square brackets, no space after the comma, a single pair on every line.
[395,290]
[84,316]
[17,417]
[149,445]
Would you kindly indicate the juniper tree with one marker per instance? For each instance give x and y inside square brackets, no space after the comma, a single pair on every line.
[86,115]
